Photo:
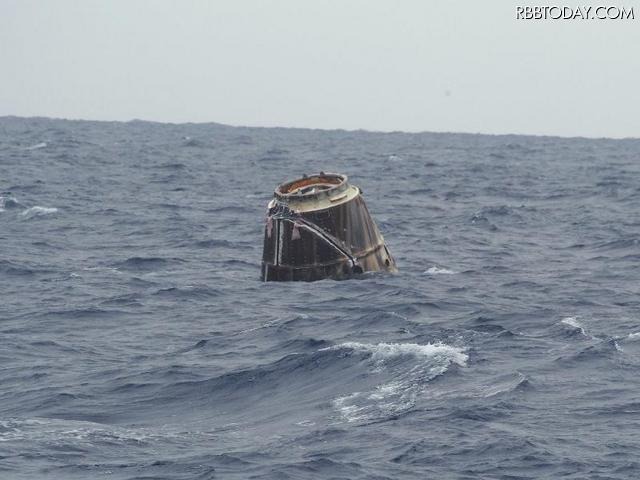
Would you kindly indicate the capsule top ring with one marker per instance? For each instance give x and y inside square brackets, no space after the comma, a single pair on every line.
[317,186]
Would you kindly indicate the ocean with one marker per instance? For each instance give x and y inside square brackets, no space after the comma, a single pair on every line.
[138,342]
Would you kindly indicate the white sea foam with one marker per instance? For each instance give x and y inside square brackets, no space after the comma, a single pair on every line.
[37,146]
[439,271]
[634,336]
[38,211]
[268,324]
[383,351]
[8,202]
[306,423]
[104,269]
[80,432]
[407,369]
[574,323]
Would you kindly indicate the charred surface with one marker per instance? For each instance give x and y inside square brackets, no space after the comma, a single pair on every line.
[319,227]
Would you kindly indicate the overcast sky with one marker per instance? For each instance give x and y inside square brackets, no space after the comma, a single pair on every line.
[463,66]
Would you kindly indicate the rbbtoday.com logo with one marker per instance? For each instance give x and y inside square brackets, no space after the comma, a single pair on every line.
[556,12]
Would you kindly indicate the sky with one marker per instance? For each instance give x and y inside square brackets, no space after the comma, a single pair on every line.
[409,65]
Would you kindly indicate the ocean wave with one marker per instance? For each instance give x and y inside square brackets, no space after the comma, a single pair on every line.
[230,209]
[83,313]
[12,268]
[635,336]
[144,263]
[604,349]
[439,271]
[486,327]
[38,211]
[193,142]
[407,368]
[37,146]
[102,269]
[171,166]
[216,243]
[618,244]
[574,324]
[480,220]
[629,344]
[8,203]
[382,352]
[363,382]
[188,291]
[127,300]
[84,433]
[519,383]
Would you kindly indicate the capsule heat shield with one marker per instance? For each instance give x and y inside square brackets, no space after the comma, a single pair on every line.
[319,227]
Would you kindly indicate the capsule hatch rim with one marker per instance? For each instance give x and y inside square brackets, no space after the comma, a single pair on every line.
[316,186]
[335,191]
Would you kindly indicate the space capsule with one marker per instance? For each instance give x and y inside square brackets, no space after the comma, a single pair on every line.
[318,227]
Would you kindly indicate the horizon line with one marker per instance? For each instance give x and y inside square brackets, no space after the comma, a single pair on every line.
[358,130]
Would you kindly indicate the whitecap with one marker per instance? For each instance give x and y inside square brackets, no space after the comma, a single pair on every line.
[104,269]
[37,146]
[268,324]
[439,271]
[404,370]
[574,323]
[38,211]
[8,202]
[306,423]
[633,336]
[384,351]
